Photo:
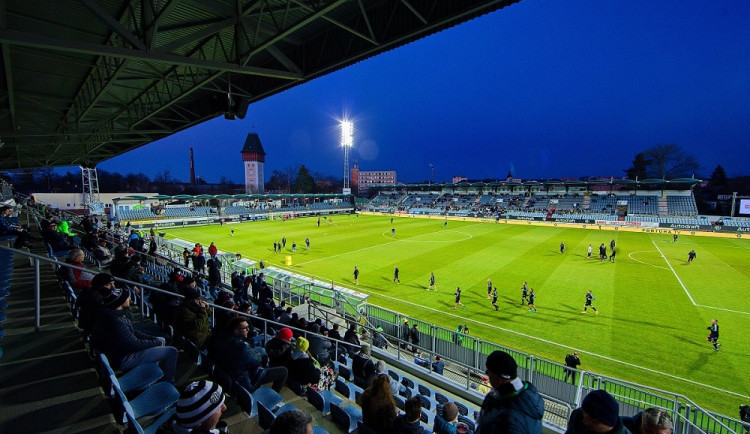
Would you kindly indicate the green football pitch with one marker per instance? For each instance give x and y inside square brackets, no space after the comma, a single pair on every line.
[654,307]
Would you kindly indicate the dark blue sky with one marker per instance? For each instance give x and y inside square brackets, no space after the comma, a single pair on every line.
[546,89]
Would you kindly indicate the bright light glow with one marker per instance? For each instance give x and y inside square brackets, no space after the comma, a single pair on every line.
[347,133]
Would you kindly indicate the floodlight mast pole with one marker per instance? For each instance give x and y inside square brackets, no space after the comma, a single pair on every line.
[347,140]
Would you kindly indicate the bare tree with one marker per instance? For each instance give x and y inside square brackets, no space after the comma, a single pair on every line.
[669,161]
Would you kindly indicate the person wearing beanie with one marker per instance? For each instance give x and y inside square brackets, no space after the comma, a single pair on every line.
[445,422]
[90,300]
[114,335]
[303,371]
[599,413]
[279,348]
[199,408]
[232,354]
[512,405]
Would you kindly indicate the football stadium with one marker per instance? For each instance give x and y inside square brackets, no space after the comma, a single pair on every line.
[504,305]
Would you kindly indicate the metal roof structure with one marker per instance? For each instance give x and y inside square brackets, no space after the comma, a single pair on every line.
[85,80]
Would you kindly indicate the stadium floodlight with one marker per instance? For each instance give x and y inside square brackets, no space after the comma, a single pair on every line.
[347,140]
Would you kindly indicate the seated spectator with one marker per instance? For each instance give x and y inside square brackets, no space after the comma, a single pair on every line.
[124,346]
[199,408]
[320,347]
[279,348]
[135,271]
[90,301]
[438,365]
[650,421]
[7,228]
[231,352]
[382,369]
[334,333]
[56,240]
[303,371]
[599,413]
[351,337]
[191,319]
[102,253]
[120,266]
[278,310]
[164,305]
[363,367]
[445,422]
[292,422]
[77,275]
[379,339]
[222,317]
[378,406]
[286,316]
[265,310]
[408,423]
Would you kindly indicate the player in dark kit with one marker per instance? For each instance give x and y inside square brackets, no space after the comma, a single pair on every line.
[691,256]
[356,275]
[432,283]
[532,299]
[612,255]
[458,299]
[713,337]
[524,293]
[395,275]
[562,247]
[489,288]
[494,298]
[589,299]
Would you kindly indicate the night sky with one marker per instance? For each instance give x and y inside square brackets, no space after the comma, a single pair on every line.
[543,89]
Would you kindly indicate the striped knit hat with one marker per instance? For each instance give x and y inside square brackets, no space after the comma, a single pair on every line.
[198,401]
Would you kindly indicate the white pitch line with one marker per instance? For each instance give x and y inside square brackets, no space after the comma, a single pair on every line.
[721,308]
[675,273]
[536,338]
[630,255]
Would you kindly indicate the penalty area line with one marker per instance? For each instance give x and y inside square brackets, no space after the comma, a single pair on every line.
[675,274]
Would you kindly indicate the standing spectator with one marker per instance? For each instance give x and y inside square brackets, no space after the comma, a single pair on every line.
[513,405]
[8,228]
[199,408]
[124,346]
[199,263]
[414,336]
[571,361]
[212,250]
[378,406]
[408,423]
[405,332]
[186,257]
[152,247]
[292,422]
[599,413]
[650,421]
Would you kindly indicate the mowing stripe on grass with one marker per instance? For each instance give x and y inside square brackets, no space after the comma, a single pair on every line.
[675,273]
[653,371]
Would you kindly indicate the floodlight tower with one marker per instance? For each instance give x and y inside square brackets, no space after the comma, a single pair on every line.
[347,140]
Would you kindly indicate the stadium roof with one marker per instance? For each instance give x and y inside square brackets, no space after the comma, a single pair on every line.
[83,81]
[666,183]
[231,196]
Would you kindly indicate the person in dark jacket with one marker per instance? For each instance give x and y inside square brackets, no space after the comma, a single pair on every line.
[244,365]
[124,346]
[279,348]
[405,332]
[379,339]
[650,421]
[320,347]
[571,361]
[90,301]
[351,337]
[599,413]
[191,319]
[199,263]
[58,241]
[408,423]
[513,405]
[363,367]
[302,369]
[414,336]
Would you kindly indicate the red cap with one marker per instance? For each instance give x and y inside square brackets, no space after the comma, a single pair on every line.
[285,334]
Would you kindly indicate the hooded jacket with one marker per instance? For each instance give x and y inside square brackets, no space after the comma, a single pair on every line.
[115,336]
[235,357]
[516,412]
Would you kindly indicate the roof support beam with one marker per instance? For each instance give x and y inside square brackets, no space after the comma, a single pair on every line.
[114,24]
[13,37]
